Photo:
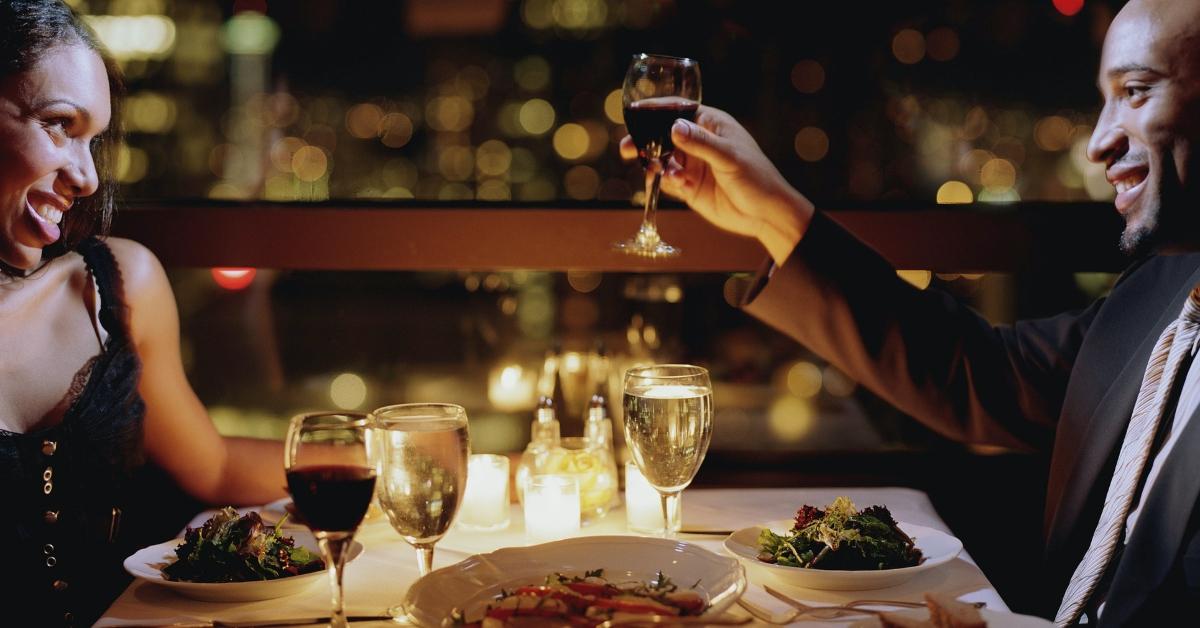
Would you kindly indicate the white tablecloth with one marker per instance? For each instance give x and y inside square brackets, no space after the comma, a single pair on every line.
[380,577]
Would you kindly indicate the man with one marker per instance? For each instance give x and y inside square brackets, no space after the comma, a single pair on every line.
[1068,382]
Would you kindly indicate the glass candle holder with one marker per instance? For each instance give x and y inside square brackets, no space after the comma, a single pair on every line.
[551,507]
[485,502]
[593,466]
[643,506]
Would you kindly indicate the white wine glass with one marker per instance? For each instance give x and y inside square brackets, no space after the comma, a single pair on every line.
[658,90]
[668,425]
[331,482]
[422,450]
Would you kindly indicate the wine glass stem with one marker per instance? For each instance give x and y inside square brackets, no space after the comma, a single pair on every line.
[648,233]
[670,512]
[333,547]
[424,559]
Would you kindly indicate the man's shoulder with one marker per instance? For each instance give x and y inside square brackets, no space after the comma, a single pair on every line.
[1167,270]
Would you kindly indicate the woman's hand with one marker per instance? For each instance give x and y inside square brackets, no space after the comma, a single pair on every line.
[719,171]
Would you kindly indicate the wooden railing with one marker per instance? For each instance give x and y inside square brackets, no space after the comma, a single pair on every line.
[418,235]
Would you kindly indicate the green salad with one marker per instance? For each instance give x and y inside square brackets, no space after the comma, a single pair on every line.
[233,548]
[840,537]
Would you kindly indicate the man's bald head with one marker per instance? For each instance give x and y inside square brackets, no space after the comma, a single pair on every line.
[1149,128]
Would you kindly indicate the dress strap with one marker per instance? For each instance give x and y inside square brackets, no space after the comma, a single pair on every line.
[112,313]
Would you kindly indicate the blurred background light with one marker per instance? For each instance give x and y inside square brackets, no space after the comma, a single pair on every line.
[536,116]
[808,77]
[234,278]
[811,143]
[954,192]
[348,391]
[250,33]
[908,46]
[134,37]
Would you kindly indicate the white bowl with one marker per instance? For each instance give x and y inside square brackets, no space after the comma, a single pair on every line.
[471,584]
[937,547]
[148,562]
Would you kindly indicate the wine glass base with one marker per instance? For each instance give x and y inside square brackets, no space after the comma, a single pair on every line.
[658,250]
[399,615]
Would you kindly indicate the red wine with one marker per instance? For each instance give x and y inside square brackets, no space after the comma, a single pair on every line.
[332,498]
[649,122]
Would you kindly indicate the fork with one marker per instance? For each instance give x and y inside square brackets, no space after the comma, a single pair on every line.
[672,620]
[801,606]
[800,609]
[821,612]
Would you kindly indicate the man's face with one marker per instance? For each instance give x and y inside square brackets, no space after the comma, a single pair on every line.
[1150,123]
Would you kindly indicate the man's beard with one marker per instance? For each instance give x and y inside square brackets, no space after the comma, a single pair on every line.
[1138,240]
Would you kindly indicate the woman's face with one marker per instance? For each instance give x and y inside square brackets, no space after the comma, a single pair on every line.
[49,116]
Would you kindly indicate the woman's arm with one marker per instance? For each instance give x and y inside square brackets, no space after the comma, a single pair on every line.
[179,435]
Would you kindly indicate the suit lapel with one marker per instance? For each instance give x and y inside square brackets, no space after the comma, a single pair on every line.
[1152,548]
[1100,439]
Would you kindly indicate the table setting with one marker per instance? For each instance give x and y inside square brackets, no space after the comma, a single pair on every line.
[376,494]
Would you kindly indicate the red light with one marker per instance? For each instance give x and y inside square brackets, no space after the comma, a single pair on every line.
[233,278]
[1068,7]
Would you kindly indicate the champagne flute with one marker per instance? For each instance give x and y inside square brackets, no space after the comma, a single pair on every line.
[658,90]
[423,450]
[668,425]
[331,482]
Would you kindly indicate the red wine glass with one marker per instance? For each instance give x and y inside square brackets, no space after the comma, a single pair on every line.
[331,481]
[658,90]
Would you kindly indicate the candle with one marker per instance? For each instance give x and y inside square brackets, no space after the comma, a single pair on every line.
[643,506]
[511,388]
[551,507]
[485,502]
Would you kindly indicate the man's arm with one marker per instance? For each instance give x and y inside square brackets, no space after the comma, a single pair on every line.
[924,351]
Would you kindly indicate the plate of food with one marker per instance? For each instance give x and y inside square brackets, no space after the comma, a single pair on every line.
[581,581]
[234,557]
[840,548]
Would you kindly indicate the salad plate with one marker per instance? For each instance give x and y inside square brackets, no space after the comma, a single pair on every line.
[147,564]
[937,547]
[473,583]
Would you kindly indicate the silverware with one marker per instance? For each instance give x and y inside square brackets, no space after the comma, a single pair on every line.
[705,531]
[302,621]
[848,606]
[853,607]
[673,620]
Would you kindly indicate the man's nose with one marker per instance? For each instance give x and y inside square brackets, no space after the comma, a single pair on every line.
[1107,139]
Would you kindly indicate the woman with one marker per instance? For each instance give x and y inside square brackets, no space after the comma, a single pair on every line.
[91,382]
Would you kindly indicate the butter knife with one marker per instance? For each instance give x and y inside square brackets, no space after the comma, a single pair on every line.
[301,621]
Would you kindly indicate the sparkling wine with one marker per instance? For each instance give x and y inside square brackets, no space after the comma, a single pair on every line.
[668,428]
[331,498]
[424,475]
[649,122]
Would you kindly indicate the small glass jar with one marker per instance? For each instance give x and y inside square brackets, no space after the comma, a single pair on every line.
[594,466]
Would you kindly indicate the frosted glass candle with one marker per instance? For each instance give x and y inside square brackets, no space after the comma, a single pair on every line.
[643,506]
[551,507]
[485,502]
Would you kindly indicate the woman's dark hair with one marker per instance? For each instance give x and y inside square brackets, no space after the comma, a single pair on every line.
[30,28]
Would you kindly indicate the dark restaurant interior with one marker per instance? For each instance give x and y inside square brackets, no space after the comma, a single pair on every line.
[362,203]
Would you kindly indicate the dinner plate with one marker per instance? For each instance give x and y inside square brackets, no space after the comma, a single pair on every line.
[937,546]
[148,562]
[472,583]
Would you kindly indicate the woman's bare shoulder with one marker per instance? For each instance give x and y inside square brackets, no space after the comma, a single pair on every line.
[143,279]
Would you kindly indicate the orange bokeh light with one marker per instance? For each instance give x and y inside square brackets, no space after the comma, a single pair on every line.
[234,278]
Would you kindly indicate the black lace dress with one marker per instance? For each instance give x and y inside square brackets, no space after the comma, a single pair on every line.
[66,487]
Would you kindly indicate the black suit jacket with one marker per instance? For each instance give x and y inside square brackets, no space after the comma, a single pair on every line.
[1067,382]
